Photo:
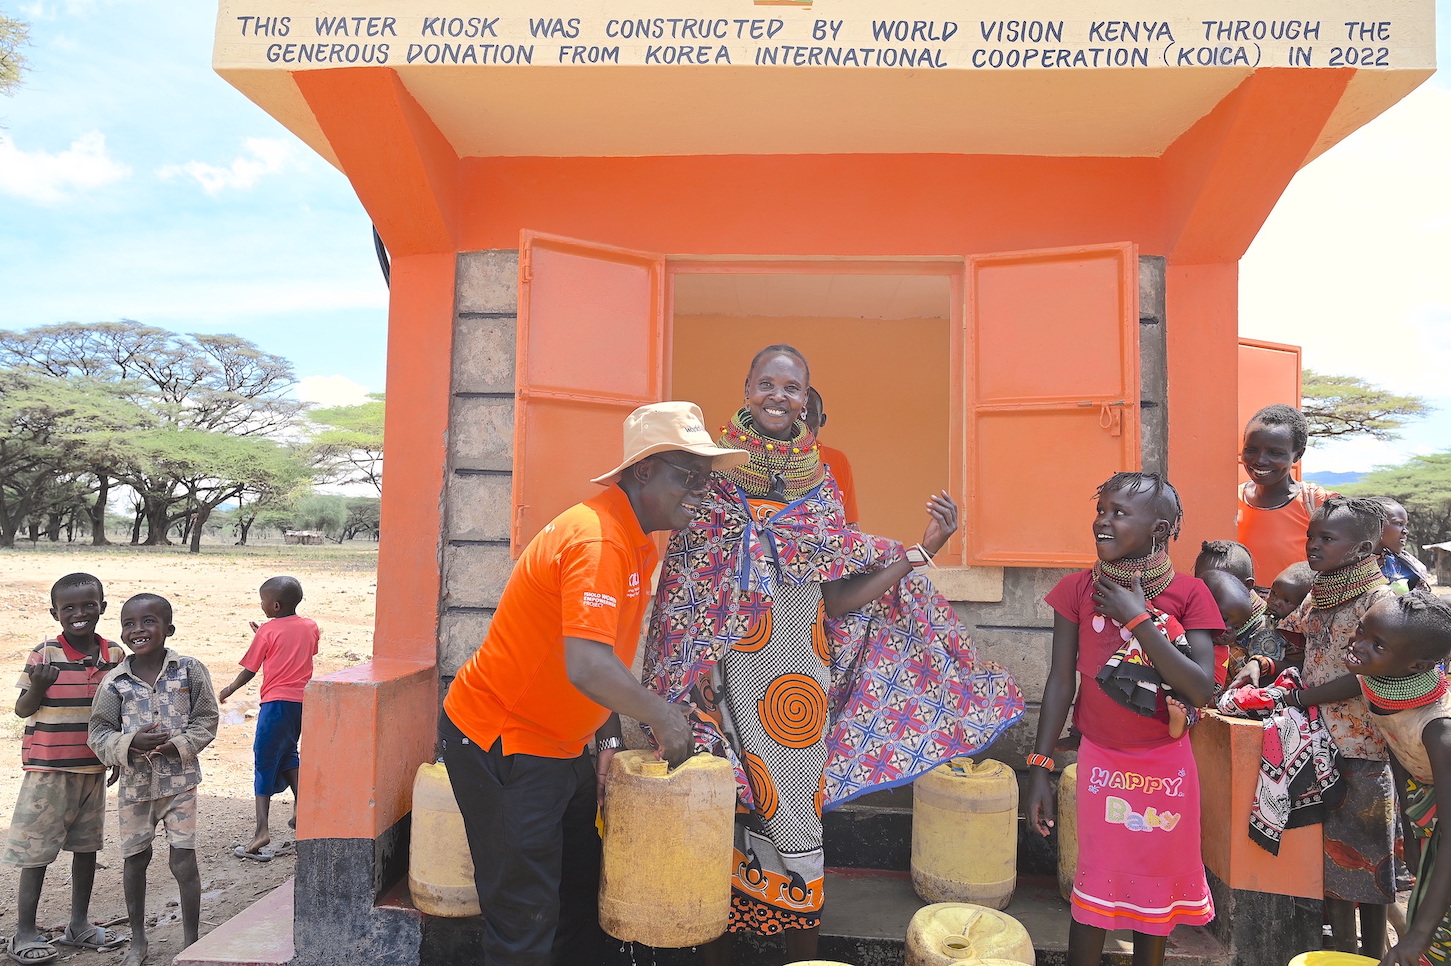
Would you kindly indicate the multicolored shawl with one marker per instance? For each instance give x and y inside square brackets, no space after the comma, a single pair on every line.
[1299,763]
[908,690]
[1420,808]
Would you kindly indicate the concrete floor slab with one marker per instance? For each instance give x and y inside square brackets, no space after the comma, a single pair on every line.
[260,935]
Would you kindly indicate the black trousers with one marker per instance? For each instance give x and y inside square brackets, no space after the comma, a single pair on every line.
[530,823]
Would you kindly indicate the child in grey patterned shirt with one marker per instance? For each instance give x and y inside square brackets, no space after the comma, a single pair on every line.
[152,715]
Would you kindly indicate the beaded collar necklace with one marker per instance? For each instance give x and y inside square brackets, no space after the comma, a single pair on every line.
[1154,570]
[1388,695]
[1256,611]
[795,463]
[1335,587]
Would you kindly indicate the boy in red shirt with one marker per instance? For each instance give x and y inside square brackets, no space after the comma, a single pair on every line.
[282,649]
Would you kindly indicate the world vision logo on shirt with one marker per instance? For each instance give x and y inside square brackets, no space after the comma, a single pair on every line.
[634,584]
[592,599]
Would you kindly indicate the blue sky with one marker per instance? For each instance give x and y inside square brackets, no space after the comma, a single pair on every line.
[135,183]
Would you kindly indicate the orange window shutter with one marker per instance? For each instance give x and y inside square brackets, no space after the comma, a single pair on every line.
[591,345]
[1053,398]
[1269,373]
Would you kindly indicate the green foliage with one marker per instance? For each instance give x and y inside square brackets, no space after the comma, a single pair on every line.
[1339,406]
[13,35]
[1422,485]
[349,441]
[323,512]
[364,516]
[50,429]
[204,409]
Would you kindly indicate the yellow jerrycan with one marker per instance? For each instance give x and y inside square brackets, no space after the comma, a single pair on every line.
[668,841]
[440,866]
[1067,826]
[1330,957]
[949,932]
[965,833]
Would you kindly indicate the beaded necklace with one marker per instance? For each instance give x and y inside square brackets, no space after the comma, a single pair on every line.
[795,462]
[1256,611]
[1388,695]
[1334,587]
[1154,570]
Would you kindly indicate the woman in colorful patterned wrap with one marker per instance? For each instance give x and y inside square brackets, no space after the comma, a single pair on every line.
[819,660]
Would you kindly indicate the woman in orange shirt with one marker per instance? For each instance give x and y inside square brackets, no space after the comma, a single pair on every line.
[1274,508]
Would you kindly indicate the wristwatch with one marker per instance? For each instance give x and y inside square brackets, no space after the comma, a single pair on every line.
[608,744]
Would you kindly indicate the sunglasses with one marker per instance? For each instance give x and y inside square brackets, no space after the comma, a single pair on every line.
[694,479]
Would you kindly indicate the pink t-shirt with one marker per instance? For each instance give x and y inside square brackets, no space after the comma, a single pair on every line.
[1101,718]
[282,650]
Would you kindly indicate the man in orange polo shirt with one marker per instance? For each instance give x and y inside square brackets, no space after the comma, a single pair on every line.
[553,673]
[835,459]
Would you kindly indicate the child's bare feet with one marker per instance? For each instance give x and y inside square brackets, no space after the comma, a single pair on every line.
[136,955]
[259,843]
[1179,716]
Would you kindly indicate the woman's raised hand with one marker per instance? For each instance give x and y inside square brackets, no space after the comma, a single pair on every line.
[941,521]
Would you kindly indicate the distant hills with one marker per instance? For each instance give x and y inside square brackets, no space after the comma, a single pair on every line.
[1332,480]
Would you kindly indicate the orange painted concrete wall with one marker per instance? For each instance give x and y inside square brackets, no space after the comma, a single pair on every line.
[886,388]
[1199,205]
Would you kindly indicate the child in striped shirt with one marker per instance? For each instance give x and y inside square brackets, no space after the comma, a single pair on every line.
[62,801]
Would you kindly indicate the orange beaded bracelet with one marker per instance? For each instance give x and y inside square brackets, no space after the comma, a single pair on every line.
[1135,622]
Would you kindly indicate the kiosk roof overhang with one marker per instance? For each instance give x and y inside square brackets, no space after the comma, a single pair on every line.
[829,77]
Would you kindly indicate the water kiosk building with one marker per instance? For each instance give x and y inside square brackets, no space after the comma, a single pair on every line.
[1005,233]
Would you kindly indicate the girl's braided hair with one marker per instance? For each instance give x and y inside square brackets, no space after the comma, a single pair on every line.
[1165,498]
[1228,555]
[1367,515]
[1428,618]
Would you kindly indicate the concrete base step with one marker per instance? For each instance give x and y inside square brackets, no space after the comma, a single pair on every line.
[864,923]
[260,935]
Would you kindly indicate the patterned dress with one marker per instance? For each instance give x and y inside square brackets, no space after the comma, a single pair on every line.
[811,711]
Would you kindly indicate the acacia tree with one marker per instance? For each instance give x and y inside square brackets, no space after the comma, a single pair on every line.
[13,34]
[1422,485]
[219,384]
[350,441]
[47,428]
[1340,406]
[212,468]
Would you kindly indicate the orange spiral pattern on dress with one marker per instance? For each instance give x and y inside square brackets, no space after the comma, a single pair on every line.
[793,712]
[820,643]
[757,635]
[763,789]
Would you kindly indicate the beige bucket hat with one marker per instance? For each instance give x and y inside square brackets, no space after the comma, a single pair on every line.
[665,426]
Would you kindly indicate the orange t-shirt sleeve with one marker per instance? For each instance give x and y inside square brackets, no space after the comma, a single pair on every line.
[593,580]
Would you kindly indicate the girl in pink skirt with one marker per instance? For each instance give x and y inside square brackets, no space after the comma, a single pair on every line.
[1139,637]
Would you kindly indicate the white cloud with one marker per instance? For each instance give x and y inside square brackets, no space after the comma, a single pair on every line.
[50,178]
[262,156]
[1352,266]
[331,391]
[1352,263]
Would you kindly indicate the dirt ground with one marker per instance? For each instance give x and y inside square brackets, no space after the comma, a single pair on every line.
[214,595]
